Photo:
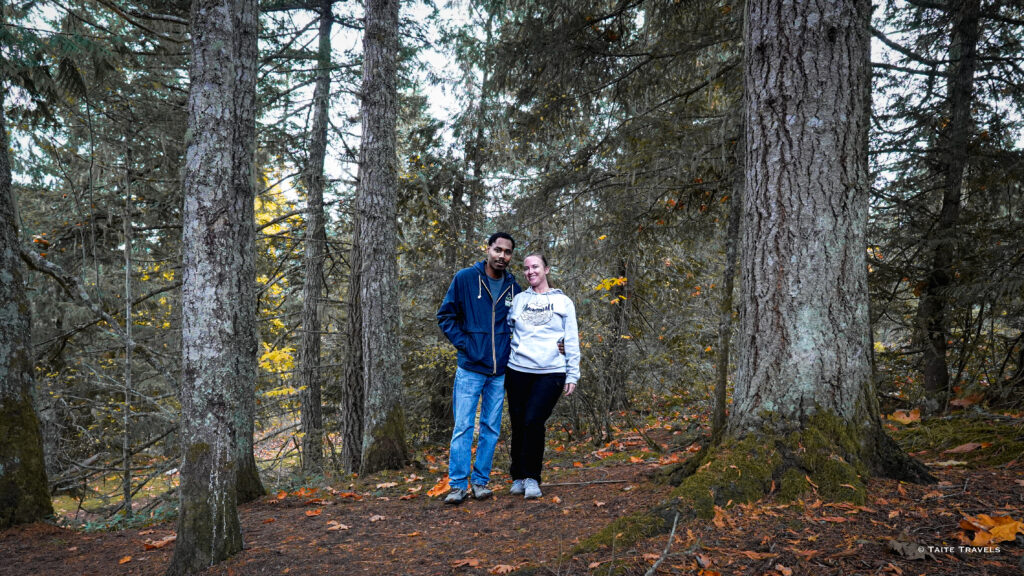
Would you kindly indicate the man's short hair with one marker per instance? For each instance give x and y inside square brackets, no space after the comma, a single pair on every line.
[494,238]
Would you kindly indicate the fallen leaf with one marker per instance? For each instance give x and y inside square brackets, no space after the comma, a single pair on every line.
[269,520]
[703,560]
[965,401]
[440,488]
[316,512]
[387,485]
[351,495]
[719,520]
[407,497]
[963,448]
[894,514]
[785,571]
[376,518]
[471,562]
[947,463]
[577,464]
[282,495]
[757,555]
[156,544]
[556,499]
[652,557]
[147,532]
[834,519]
[598,503]
[415,488]
[892,568]
[502,569]
[635,459]
[334,526]
[313,502]
[410,535]
[905,416]
[910,550]
[125,560]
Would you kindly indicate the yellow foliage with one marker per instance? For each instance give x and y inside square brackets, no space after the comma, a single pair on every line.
[277,360]
[609,283]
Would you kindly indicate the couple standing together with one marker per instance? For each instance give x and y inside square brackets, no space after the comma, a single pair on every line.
[509,340]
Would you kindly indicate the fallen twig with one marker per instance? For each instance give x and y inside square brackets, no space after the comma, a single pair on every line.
[586,483]
[668,546]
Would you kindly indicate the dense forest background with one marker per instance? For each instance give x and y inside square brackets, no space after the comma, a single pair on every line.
[607,134]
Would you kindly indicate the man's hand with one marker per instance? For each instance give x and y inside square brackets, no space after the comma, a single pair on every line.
[570,387]
[561,346]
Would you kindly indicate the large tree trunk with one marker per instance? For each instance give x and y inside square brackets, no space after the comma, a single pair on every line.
[309,354]
[934,304]
[24,493]
[218,291]
[384,433]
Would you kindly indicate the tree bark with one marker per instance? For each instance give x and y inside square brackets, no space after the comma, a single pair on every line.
[24,492]
[218,290]
[309,353]
[384,433]
[725,304]
[934,305]
[804,342]
[353,393]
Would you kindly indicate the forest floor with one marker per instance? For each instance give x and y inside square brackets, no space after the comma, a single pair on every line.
[388,524]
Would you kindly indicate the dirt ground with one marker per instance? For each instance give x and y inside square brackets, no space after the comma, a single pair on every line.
[367,527]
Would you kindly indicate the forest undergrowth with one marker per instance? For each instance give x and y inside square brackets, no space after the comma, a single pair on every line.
[970,522]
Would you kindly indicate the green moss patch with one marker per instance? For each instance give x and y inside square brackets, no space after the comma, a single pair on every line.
[1000,441]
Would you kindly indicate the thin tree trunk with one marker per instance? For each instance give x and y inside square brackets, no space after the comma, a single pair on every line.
[725,304]
[218,290]
[126,440]
[309,354]
[353,392]
[934,304]
[24,493]
[384,433]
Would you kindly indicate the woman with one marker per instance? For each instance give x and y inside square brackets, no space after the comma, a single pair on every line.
[537,372]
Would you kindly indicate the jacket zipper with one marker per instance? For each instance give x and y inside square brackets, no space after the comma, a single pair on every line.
[494,307]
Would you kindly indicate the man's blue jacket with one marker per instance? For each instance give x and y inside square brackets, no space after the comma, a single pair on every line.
[475,321]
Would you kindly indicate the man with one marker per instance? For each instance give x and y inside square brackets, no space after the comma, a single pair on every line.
[473,316]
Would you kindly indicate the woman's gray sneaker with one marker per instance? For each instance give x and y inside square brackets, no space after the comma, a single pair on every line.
[531,489]
[517,487]
[456,496]
[482,492]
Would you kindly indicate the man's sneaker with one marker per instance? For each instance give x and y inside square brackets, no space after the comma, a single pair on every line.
[482,492]
[531,489]
[517,487]
[456,496]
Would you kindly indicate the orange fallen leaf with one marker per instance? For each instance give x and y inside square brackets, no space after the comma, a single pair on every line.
[502,569]
[598,503]
[785,571]
[471,562]
[407,497]
[376,518]
[316,512]
[415,488]
[351,495]
[703,560]
[577,464]
[593,565]
[635,459]
[719,520]
[757,555]
[282,495]
[440,488]
[147,532]
[156,544]
[966,401]
[313,502]
[125,560]
[269,520]
[334,526]
[387,485]
[652,557]
[410,534]
[834,519]
[905,416]
[556,499]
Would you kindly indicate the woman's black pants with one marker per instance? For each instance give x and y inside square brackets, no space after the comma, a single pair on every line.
[531,399]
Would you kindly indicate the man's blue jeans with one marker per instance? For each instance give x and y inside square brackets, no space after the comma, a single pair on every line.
[470,390]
